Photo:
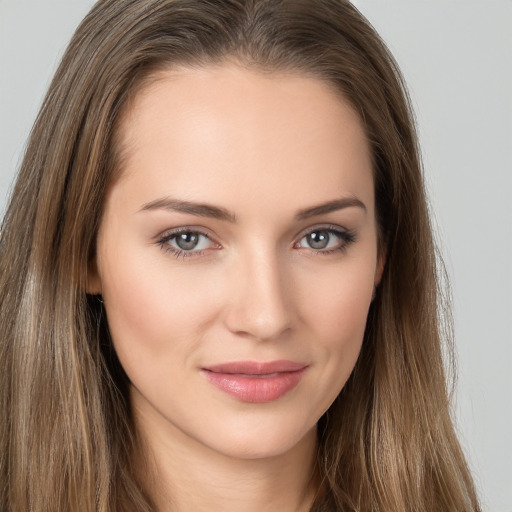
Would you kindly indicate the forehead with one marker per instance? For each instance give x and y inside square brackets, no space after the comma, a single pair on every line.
[196,129]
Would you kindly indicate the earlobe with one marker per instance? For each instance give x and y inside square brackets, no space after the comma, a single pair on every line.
[379,270]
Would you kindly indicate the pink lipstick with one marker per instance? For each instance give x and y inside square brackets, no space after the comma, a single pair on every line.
[256,382]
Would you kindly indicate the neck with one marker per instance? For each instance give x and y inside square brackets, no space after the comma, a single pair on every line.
[183,475]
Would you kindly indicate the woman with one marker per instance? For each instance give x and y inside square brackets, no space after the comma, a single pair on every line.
[220,286]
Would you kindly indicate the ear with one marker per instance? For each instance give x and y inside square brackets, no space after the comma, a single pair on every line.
[93,286]
[379,269]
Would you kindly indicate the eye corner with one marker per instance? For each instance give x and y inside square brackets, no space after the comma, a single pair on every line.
[199,244]
[343,239]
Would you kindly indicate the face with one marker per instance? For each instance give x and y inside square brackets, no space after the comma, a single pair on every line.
[237,256]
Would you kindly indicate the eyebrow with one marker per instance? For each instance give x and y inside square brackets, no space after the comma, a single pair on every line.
[330,206]
[192,208]
[216,212]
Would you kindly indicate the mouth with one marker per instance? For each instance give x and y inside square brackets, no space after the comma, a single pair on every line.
[255,382]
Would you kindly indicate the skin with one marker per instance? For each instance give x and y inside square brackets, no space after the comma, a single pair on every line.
[262,148]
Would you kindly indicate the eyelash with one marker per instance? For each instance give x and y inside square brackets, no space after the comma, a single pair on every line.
[347,238]
[163,242]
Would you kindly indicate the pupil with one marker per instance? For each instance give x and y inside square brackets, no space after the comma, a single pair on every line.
[318,239]
[187,241]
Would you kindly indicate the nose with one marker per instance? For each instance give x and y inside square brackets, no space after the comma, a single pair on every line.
[260,305]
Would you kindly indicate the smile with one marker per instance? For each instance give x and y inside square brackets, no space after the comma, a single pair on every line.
[256,382]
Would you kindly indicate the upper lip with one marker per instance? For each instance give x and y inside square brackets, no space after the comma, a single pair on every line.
[256,367]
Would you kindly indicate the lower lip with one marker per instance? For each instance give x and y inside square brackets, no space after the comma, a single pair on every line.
[255,388]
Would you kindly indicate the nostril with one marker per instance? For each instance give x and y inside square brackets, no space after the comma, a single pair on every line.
[262,316]
[261,299]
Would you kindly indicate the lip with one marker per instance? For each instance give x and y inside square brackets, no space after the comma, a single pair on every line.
[256,382]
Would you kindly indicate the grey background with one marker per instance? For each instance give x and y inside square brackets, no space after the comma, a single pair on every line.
[456,56]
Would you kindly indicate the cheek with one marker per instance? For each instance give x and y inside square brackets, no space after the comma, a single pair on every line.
[154,314]
[337,311]
[348,309]
[338,302]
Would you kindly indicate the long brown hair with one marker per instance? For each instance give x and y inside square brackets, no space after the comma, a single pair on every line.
[66,436]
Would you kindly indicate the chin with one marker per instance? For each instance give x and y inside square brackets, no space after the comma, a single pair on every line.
[262,441]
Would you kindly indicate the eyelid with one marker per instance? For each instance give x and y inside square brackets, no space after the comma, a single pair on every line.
[167,233]
[325,227]
[347,236]
[163,238]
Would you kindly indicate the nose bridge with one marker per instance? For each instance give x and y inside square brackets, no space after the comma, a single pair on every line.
[260,306]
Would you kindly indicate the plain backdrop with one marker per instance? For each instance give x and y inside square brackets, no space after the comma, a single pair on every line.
[456,56]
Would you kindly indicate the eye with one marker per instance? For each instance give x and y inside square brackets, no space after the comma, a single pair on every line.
[189,241]
[186,242]
[326,240]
